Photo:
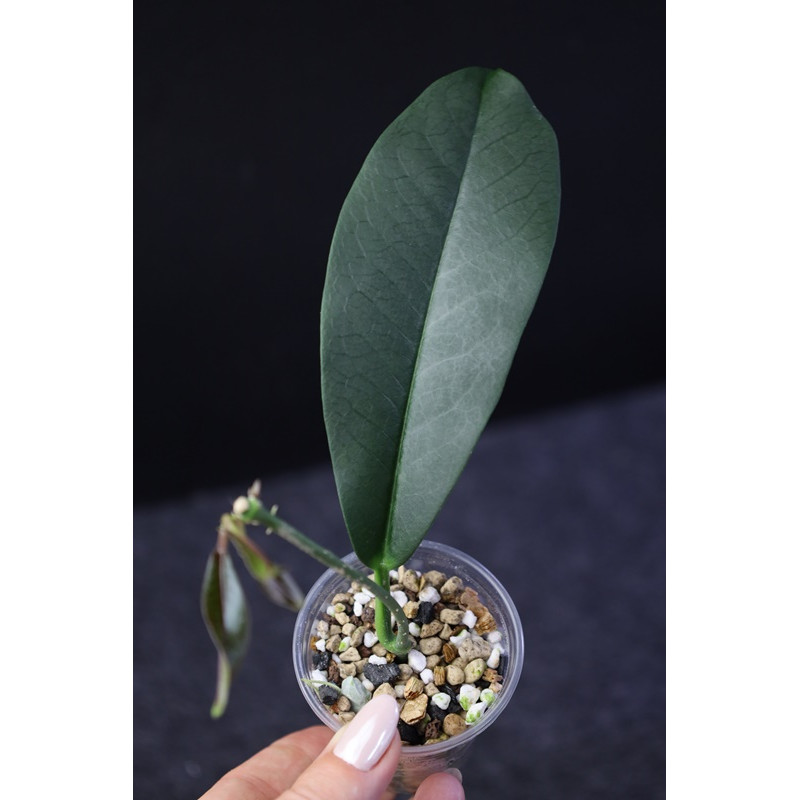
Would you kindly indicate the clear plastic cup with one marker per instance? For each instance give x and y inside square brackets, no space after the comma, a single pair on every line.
[419,761]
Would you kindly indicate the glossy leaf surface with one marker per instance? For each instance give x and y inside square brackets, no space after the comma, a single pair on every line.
[224,609]
[437,260]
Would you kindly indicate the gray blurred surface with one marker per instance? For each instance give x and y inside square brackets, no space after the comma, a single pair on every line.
[566,509]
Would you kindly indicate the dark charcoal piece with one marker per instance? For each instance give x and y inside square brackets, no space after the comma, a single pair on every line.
[453,708]
[321,660]
[482,684]
[328,695]
[409,734]
[425,614]
[381,673]
[448,689]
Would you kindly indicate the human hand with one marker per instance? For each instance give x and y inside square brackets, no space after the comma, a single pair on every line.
[356,763]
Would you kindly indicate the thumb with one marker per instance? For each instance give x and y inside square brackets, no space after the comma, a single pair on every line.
[360,760]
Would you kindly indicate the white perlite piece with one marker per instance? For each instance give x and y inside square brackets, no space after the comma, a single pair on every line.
[469,618]
[336,658]
[417,661]
[414,629]
[370,637]
[475,713]
[361,597]
[358,608]
[494,659]
[400,597]
[377,659]
[429,595]
[468,695]
[368,685]
[493,637]
[319,675]
[459,640]
[426,676]
[441,700]
[320,645]
[330,611]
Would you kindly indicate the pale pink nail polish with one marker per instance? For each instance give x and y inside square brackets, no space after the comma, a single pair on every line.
[368,736]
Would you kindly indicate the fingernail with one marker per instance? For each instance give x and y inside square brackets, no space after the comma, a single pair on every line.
[368,736]
[456,773]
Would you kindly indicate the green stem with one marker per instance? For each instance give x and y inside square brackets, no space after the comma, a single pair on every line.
[224,675]
[383,620]
[251,510]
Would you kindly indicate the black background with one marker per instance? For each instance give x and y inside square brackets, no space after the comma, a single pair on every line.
[252,120]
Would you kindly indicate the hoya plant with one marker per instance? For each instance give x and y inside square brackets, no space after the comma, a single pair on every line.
[437,259]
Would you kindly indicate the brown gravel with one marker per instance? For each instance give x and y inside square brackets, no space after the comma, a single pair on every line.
[454,724]
[413,688]
[448,664]
[414,710]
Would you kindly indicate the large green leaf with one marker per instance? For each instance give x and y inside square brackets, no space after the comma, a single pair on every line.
[438,257]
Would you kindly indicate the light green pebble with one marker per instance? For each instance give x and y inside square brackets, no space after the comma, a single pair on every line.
[488,697]
[475,713]
[474,670]
[355,692]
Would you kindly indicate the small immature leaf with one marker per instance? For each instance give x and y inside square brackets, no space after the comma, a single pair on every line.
[437,260]
[224,609]
[276,582]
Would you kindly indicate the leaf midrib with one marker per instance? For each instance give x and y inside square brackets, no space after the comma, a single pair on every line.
[389,525]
